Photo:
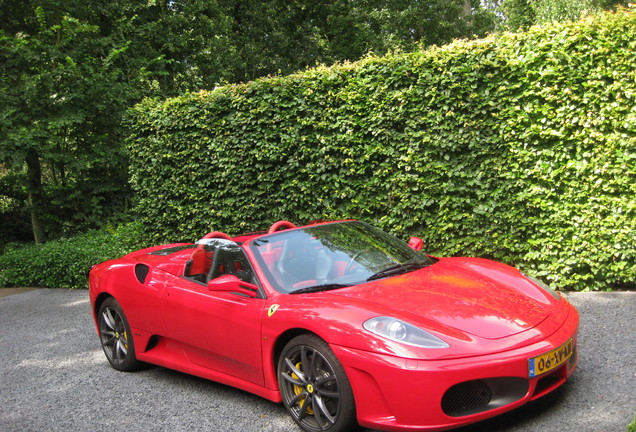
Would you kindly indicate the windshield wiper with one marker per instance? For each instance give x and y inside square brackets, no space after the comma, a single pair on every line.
[396,270]
[318,288]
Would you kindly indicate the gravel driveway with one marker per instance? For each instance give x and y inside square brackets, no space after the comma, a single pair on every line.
[54,376]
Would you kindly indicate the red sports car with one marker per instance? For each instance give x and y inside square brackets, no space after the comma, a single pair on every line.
[343,323]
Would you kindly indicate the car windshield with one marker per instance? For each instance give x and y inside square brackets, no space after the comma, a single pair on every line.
[331,256]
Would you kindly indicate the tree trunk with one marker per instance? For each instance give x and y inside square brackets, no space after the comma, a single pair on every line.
[34,187]
[467,8]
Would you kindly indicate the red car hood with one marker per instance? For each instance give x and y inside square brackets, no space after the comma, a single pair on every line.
[475,296]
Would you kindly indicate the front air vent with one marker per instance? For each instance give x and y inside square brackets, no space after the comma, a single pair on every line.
[141,271]
[467,397]
[472,397]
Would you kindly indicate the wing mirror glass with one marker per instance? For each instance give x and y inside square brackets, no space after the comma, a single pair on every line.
[231,283]
[416,243]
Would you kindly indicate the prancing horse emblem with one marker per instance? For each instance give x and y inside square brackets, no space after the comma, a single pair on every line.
[272,310]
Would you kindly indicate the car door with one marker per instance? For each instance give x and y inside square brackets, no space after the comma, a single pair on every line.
[216,330]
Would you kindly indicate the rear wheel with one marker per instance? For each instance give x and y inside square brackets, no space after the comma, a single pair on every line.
[314,386]
[116,338]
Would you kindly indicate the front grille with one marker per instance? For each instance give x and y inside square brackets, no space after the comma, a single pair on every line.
[472,397]
[466,397]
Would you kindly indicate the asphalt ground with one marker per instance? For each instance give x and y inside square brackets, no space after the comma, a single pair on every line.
[54,377]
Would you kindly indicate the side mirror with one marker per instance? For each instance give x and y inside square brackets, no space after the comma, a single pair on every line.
[416,243]
[231,283]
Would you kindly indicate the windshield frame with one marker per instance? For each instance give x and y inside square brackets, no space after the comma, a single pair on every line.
[341,253]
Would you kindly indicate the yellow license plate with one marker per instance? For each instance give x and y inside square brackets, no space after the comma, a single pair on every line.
[546,362]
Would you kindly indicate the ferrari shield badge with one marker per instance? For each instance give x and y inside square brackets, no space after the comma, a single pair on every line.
[272,309]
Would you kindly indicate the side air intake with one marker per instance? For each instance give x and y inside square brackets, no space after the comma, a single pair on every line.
[141,271]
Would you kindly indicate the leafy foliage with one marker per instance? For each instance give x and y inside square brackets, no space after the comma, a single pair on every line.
[65,83]
[524,13]
[226,41]
[519,147]
[69,70]
[547,11]
[65,263]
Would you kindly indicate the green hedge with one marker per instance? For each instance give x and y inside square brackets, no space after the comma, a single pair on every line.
[65,263]
[519,147]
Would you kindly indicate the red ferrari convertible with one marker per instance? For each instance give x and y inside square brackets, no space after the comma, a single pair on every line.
[343,323]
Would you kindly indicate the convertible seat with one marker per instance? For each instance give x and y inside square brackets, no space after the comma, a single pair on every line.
[230,259]
[199,265]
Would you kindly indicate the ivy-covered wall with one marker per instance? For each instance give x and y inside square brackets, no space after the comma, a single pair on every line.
[519,147]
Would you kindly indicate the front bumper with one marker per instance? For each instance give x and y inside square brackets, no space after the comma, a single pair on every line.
[393,393]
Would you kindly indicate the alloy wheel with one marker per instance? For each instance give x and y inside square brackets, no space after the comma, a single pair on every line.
[314,388]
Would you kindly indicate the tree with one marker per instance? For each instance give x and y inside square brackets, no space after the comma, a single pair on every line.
[69,70]
[524,13]
[63,93]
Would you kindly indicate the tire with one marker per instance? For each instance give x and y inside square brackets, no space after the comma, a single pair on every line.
[314,387]
[116,337]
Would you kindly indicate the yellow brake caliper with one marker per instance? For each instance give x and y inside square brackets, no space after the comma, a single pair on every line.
[123,335]
[298,390]
[126,339]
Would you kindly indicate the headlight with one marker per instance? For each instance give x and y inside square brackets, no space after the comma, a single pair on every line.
[542,285]
[400,331]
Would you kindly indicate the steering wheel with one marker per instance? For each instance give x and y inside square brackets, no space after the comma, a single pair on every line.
[214,234]
[280,225]
[352,262]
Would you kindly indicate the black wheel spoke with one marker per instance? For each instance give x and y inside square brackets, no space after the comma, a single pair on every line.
[324,380]
[110,342]
[109,320]
[304,363]
[318,412]
[325,388]
[108,336]
[120,352]
[295,370]
[124,339]
[122,347]
[116,353]
[292,380]
[304,409]
[329,394]
[296,400]
[312,365]
[320,409]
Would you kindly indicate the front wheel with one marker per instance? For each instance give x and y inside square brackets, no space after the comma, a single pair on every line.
[116,338]
[314,386]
